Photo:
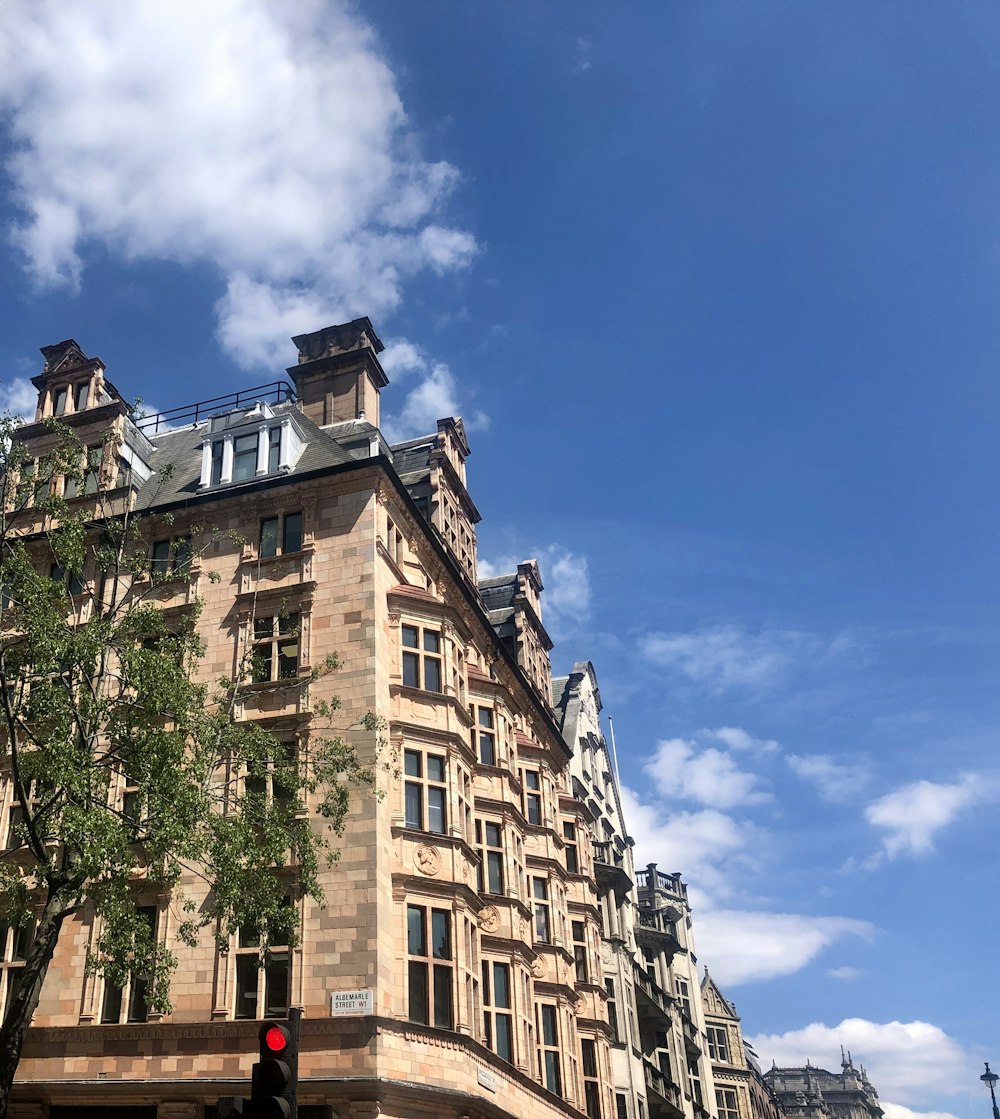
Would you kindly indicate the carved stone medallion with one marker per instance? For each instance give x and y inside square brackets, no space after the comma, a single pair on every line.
[489,919]
[539,969]
[428,860]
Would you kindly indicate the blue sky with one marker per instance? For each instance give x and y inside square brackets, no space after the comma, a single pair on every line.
[715,286]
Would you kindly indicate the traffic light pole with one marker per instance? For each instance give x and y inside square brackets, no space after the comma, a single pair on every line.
[294,1026]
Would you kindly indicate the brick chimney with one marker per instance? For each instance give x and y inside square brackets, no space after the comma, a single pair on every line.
[338,376]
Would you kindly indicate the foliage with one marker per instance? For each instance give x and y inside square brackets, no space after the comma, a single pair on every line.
[132,776]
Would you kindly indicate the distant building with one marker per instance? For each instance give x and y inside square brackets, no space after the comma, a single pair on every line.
[814,1093]
[740,1089]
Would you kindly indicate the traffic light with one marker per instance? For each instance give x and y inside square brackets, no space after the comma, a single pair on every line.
[272,1089]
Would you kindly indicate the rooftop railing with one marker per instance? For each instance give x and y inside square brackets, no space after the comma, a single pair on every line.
[276,392]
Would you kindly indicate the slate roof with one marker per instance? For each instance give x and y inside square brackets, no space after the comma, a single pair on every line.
[181,449]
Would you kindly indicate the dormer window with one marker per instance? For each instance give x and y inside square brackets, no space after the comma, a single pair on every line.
[80,396]
[59,407]
[254,452]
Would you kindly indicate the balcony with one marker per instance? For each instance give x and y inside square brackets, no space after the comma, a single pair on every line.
[662,1095]
[655,928]
[652,1004]
[610,870]
[652,882]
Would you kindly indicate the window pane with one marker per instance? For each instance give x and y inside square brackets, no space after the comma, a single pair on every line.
[111,1007]
[550,1035]
[276,986]
[435,767]
[432,641]
[441,934]
[216,477]
[60,404]
[494,872]
[411,670]
[414,805]
[269,537]
[505,1038]
[418,992]
[137,1009]
[273,449]
[161,556]
[411,763]
[244,457]
[432,675]
[493,835]
[415,935]
[589,1053]
[442,998]
[501,985]
[82,392]
[553,1081]
[182,555]
[246,986]
[436,816]
[410,637]
[291,540]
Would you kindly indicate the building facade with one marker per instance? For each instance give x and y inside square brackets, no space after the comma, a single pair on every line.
[455,969]
[814,1093]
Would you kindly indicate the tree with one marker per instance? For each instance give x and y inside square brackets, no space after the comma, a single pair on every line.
[129,770]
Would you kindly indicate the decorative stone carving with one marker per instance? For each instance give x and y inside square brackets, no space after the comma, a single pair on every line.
[428,860]
[489,919]
[607,954]
[539,969]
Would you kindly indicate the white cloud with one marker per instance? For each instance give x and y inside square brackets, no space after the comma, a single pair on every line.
[834,780]
[912,815]
[897,1111]
[19,397]
[267,140]
[906,1061]
[434,397]
[710,848]
[723,656]
[682,770]
[738,739]
[846,972]
[744,945]
[565,577]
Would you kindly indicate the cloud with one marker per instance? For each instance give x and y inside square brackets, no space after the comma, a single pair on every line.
[565,577]
[710,848]
[434,397]
[834,781]
[912,815]
[897,1111]
[846,972]
[19,397]
[745,945]
[906,1061]
[724,656]
[682,771]
[267,140]
[737,739]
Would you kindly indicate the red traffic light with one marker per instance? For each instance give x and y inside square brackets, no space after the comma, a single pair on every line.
[273,1039]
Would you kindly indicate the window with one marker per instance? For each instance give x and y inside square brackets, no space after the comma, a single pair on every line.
[430,966]
[609,985]
[73,581]
[532,795]
[422,669]
[543,922]
[95,455]
[548,1051]
[621,1105]
[718,1043]
[244,457]
[683,994]
[274,453]
[484,741]
[171,556]
[498,1023]
[649,964]
[71,487]
[491,857]
[15,940]
[275,647]
[425,791]
[262,985]
[580,952]
[216,473]
[81,394]
[280,535]
[128,1003]
[132,800]
[59,407]
[273,781]
[591,1084]
[572,850]
[727,1104]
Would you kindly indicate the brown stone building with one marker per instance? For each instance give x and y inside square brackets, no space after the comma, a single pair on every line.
[455,969]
